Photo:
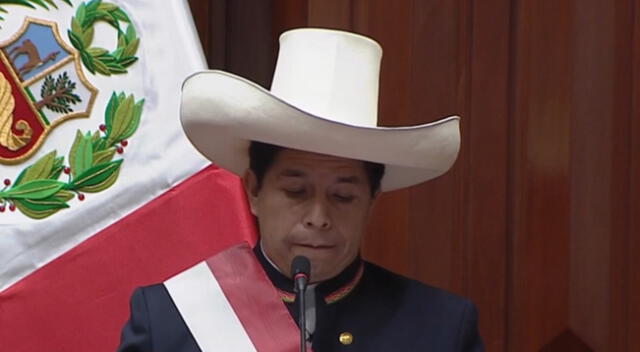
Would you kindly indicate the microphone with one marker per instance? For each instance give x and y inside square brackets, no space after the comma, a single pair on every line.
[300,269]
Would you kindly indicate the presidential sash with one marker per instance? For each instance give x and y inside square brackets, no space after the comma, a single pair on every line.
[229,304]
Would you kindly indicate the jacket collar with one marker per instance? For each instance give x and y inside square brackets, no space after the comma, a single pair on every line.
[332,290]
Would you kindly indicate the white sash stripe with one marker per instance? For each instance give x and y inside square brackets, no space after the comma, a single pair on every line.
[206,311]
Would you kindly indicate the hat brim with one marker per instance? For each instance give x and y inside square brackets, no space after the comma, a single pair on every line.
[222,113]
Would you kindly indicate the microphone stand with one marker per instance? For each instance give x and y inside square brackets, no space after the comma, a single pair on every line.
[300,289]
[300,270]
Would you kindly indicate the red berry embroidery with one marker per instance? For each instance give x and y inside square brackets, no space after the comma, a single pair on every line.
[120,150]
[67,170]
[102,127]
[124,143]
[7,181]
[12,207]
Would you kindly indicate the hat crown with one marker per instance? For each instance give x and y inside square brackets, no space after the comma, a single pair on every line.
[330,74]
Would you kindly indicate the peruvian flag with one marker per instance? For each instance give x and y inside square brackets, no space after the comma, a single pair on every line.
[105,193]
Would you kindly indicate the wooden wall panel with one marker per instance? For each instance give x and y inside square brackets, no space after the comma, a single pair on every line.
[437,66]
[486,157]
[329,14]
[249,40]
[236,36]
[388,240]
[541,174]
[287,14]
[631,318]
[538,220]
[599,172]
[408,76]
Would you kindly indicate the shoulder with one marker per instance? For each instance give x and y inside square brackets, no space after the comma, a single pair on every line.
[444,321]
[402,288]
[152,294]
[157,304]
[148,301]
[155,323]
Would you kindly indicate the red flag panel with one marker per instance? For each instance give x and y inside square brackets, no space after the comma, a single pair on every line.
[81,299]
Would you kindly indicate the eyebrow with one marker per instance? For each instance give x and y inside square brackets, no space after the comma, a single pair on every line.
[299,173]
[292,173]
[350,179]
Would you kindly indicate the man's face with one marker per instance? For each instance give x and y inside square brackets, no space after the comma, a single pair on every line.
[313,205]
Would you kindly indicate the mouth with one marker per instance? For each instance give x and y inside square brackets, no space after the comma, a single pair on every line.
[314,246]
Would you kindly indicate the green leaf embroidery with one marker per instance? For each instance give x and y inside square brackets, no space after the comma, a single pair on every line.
[36,189]
[75,26]
[30,4]
[87,37]
[128,61]
[82,33]
[80,12]
[96,51]
[117,54]
[87,60]
[131,48]
[93,5]
[36,192]
[41,169]
[99,187]
[112,106]
[41,3]
[95,137]
[48,203]
[26,207]
[100,145]
[120,119]
[101,68]
[84,155]
[75,40]
[115,68]
[121,15]
[20,177]
[107,7]
[103,156]
[42,208]
[81,154]
[96,176]
[58,167]
[134,122]
[131,34]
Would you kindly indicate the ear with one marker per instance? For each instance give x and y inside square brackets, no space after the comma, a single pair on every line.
[250,183]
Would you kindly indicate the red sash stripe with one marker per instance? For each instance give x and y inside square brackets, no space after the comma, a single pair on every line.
[255,300]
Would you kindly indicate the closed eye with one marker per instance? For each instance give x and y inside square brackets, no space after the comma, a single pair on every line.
[343,198]
[294,193]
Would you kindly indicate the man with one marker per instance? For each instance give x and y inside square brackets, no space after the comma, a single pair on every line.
[312,161]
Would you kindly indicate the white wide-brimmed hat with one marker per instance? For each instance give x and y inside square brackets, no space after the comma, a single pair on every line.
[323,99]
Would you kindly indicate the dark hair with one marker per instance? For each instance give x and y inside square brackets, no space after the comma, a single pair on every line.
[262,155]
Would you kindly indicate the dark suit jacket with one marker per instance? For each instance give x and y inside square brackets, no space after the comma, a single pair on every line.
[384,312]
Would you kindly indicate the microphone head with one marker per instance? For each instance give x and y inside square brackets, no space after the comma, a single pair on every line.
[300,266]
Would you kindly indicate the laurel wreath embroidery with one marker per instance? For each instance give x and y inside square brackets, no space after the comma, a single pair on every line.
[30,3]
[37,191]
[97,59]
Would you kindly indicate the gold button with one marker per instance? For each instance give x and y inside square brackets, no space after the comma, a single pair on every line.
[346,338]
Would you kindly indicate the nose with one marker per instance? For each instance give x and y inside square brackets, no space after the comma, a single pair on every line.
[317,217]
